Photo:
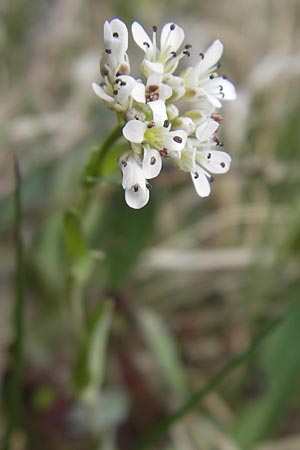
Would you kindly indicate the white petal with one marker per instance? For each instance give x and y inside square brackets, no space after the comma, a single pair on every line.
[130,87]
[150,67]
[171,39]
[101,93]
[141,37]
[138,93]
[215,161]
[125,89]
[165,91]
[154,79]
[201,183]
[152,163]
[127,169]
[159,112]
[210,97]
[174,81]
[175,140]
[107,33]
[211,56]
[119,32]
[206,130]
[136,197]
[134,131]
[228,91]
[132,172]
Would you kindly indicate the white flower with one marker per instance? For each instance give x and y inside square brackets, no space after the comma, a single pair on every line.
[201,159]
[203,83]
[114,58]
[134,182]
[121,94]
[156,95]
[164,59]
[156,136]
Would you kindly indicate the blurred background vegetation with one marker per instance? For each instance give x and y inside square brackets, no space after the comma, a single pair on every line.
[127,314]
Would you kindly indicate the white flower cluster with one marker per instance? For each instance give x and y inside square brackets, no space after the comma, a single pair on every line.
[153,124]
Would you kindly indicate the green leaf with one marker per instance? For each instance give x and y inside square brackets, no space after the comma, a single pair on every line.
[281,365]
[127,232]
[90,368]
[77,251]
[164,349]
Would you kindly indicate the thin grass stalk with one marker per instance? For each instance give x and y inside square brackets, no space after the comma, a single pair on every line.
[15,382]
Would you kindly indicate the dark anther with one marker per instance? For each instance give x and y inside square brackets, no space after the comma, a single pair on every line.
[186,52]
[166,123]
[174,54]
[108,51]
[153,88]
[123,83]
[115,92]
[221,144]
[196,175]
[172,27]
[124,163]
[221,88]
[217,117]
[135,188]
[152,160]
[147,44]
[118,80]
[219,65]
[118,74]
[149,186]
[211,179]
[177,139]
[211,76]
[187,46]
[136,118]
[154,28]
[224,77]
[164,151]
[222,164]
[105,72]
[208,155]
[216,139]
[202,55]
[150,125]
[222,94]
[102,84]
[115,35]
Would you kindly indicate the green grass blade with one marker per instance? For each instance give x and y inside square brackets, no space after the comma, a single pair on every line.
[160,431]
[14,389]
[281,366]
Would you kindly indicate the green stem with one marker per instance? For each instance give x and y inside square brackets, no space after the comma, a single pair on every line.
[14,389]
[76,289]
[78,312]
[97,165]
[160,430]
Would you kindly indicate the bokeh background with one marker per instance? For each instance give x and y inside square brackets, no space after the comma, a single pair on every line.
[129,313]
